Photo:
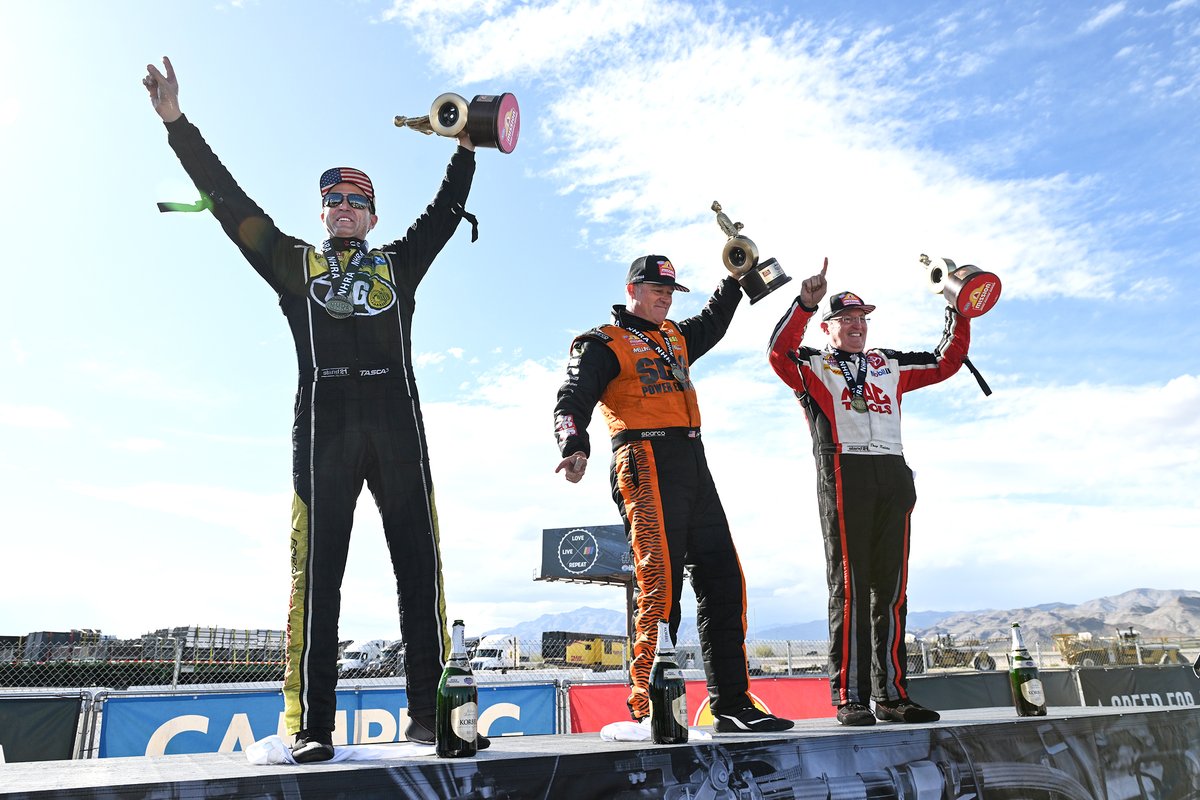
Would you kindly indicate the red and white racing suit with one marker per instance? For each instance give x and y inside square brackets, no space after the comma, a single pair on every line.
[865,493]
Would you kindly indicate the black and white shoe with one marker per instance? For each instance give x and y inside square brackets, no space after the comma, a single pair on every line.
[904,711]
[750,720]
[313,745]
[855,714]
[420,730]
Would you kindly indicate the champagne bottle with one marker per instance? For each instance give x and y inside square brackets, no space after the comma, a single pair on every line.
[668,698]
[457,701]
[1029,697]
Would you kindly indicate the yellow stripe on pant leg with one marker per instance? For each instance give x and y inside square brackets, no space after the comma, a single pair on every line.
[295,623]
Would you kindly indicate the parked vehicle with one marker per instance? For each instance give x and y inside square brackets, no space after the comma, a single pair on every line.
[498,651]
[942,650]
[1127,647]
[595,651]
[359,655]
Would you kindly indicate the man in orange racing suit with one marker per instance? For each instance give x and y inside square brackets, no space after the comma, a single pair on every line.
[350,311]
[638,369]
[865,490]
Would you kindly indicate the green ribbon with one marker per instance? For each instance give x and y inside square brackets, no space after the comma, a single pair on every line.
[203,204]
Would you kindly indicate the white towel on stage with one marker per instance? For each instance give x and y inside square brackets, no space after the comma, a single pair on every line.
[272,750]
[629,731]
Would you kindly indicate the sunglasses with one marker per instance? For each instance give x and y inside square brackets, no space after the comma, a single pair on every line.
[334,199]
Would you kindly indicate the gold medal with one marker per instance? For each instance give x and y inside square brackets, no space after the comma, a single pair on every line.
[859,405]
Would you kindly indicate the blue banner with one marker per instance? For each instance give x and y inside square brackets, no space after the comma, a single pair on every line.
[227,723]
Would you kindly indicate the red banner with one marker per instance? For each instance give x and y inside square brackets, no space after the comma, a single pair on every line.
[592,706]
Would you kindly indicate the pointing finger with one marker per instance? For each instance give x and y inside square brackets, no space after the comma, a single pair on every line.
[825,266]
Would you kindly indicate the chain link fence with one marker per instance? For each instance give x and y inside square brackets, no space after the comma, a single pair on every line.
[195,655]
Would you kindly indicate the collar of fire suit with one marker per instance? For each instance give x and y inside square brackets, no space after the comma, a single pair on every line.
[622,317]
[342,244]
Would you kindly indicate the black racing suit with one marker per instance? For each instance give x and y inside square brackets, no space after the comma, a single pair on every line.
[866,495]
[357,418]
[662,485]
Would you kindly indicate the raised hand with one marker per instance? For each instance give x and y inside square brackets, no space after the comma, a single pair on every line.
[164,91]
[814,288]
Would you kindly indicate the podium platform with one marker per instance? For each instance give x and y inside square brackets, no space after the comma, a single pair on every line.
[987,753]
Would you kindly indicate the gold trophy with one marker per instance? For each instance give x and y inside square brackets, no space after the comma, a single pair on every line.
[741,259]
[492,120]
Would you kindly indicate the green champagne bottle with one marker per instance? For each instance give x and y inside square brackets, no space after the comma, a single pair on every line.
[457,701]
[668,696]
[1029,697]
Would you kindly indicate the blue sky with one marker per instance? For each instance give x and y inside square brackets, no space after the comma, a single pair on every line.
[148,373]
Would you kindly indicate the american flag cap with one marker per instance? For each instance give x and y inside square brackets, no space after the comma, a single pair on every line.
[332,177]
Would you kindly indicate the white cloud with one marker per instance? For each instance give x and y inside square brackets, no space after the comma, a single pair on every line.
[1102,17]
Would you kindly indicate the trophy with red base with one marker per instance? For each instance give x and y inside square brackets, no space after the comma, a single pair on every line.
[492,120]
[740,256]
[968,290]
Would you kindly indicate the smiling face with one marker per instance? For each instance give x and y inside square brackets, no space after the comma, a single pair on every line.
[651,301]
[847,331]
[343,220]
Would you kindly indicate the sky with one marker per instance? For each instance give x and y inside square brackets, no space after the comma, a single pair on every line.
[145,474]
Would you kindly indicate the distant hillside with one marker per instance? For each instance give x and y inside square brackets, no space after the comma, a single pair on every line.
[1172,613]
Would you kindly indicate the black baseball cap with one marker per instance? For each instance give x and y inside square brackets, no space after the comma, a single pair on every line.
[654,269]
[844,301]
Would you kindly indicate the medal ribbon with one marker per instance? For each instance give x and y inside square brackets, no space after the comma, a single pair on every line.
[342,283]
[855,385]
[667,355]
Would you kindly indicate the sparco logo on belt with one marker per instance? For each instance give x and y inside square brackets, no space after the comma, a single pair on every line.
[653,434]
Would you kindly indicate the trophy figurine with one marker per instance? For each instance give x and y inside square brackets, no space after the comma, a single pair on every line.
[741,259]
[968,290]
[492,120]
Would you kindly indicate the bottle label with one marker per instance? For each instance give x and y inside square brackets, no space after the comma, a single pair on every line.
[1033,692]
[464,720]
[679,710]
[453,681]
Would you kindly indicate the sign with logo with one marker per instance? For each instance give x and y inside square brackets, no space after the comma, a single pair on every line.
[229,723]
[593,554]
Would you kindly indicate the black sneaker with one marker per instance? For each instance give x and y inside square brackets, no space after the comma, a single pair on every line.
[312,745]
[420,730]
[904,711]
[750,720]
[855,714]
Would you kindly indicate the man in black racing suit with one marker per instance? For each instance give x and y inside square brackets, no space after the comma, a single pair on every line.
[358,418]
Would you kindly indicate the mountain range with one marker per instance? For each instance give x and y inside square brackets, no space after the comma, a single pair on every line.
[1170,613]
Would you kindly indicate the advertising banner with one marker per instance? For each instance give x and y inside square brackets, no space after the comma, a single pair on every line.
[226,723]
[592,706]
[594,554]
[987,689]
[38,729]
[1139,686]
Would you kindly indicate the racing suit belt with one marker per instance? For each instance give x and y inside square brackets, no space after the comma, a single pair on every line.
[650,434]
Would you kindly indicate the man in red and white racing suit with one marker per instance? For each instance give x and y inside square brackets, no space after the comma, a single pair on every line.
[851,396]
